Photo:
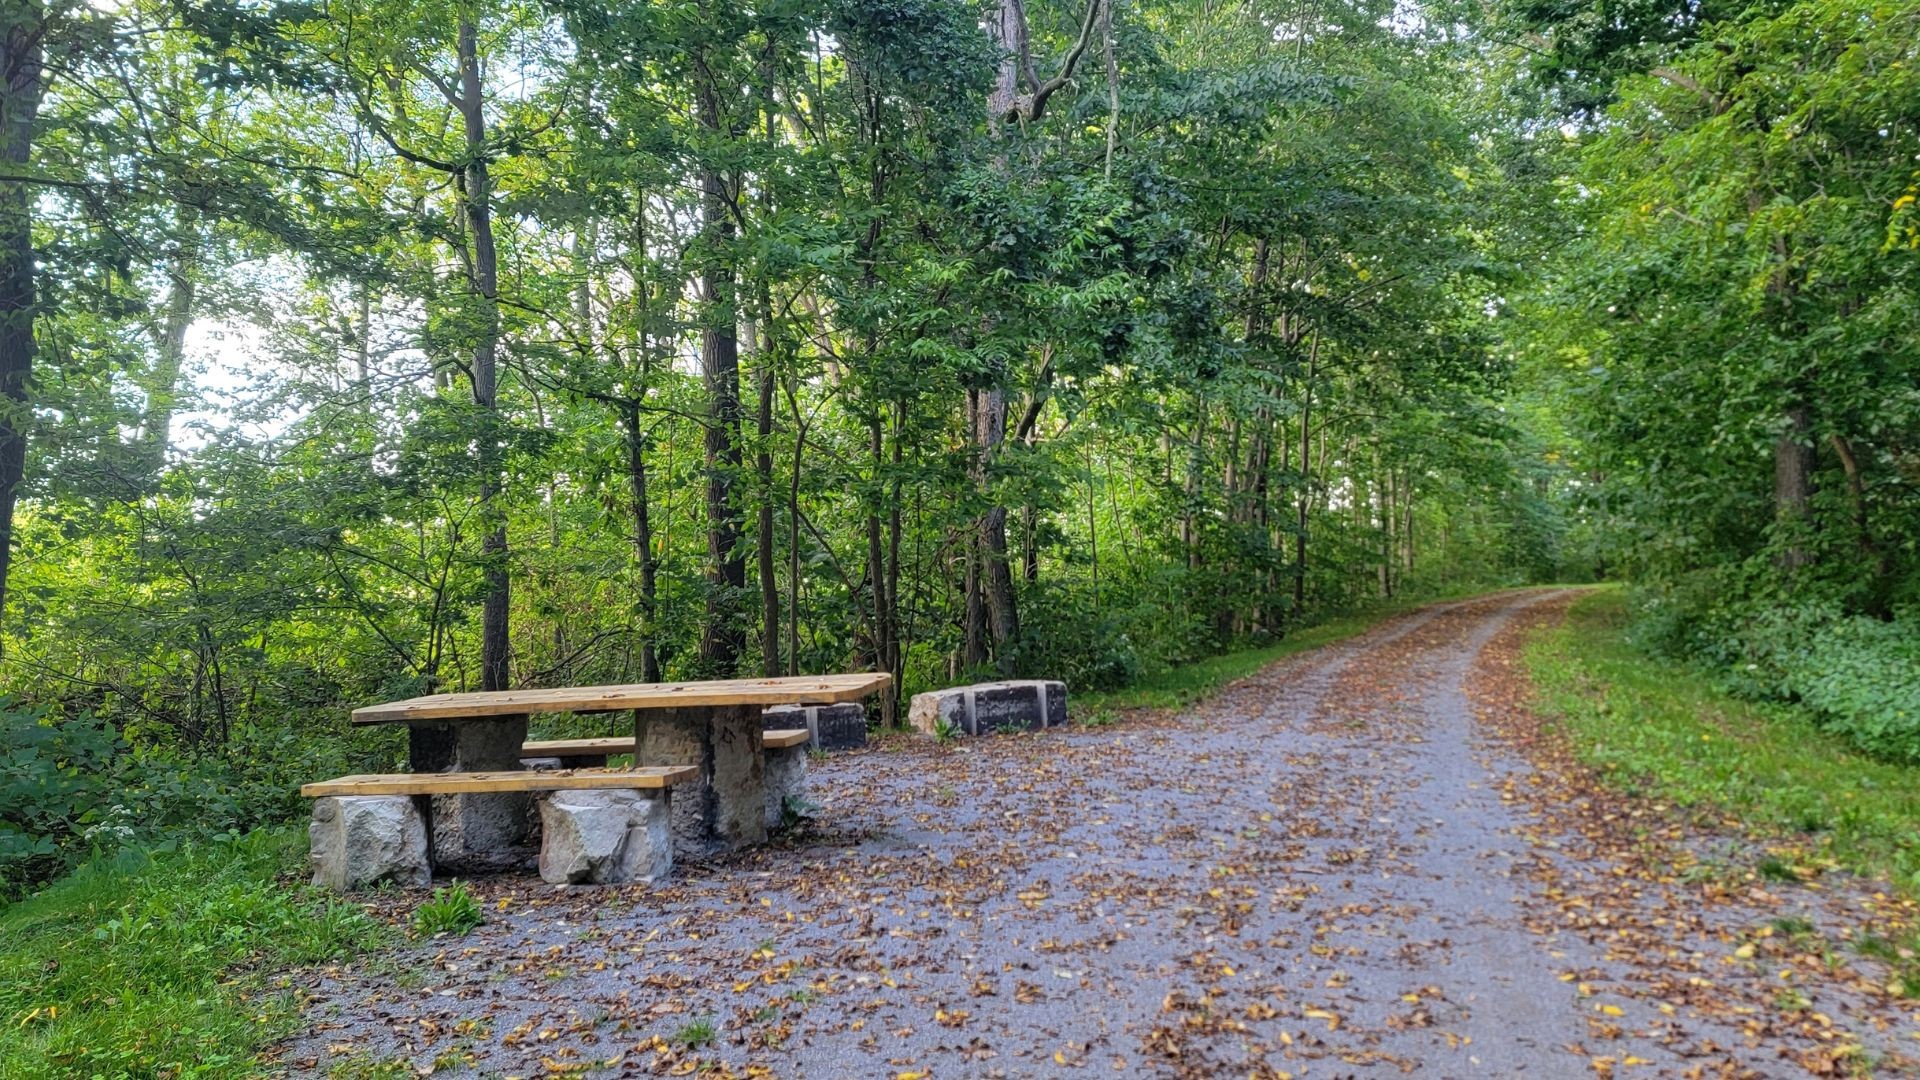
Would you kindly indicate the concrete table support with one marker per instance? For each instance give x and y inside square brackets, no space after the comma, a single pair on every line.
[475,833]
[726,807]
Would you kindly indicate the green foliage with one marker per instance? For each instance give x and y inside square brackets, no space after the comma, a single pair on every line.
[56,794]
[694,1033]
[159,965]
[797,810]
[451,909]
[1859,676]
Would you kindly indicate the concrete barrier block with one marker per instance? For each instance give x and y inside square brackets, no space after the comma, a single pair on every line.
[984,708]
[831,727]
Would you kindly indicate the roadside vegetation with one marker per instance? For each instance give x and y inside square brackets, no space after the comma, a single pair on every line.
[1672,731]
[172,964]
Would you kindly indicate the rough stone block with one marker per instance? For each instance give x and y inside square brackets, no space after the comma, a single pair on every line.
[605,837]
[984,708]
[544,764]
[361,840]
[786,777]
[831,727]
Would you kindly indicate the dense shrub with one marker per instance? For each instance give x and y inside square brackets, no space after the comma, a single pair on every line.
[1859,675]
[55,792]
[73,787]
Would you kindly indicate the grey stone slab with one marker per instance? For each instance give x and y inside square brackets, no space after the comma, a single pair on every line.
[605,836]
[361,840]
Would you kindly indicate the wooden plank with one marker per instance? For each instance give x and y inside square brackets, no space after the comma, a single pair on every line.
[782,738]
[577,747]
[462,783]
[799,690]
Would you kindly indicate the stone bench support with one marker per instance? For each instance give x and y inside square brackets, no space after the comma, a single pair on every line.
[786,777]
[362,840]
[603,836]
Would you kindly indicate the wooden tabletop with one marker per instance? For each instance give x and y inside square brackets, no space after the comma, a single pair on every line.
[800,690]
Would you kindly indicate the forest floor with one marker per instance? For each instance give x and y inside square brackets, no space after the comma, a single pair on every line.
[1368,859]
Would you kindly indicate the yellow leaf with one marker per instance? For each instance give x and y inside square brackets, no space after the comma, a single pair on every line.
[1613,1010]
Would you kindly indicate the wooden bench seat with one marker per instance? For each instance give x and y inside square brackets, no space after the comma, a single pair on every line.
[466,783]
[602,749]
[576,748]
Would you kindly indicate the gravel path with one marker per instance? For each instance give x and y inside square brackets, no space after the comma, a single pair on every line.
[1364,861]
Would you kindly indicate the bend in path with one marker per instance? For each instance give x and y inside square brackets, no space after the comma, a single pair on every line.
[1332,868]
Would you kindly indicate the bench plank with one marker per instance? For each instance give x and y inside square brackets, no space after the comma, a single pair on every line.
[780,739]
[462,783]
[800,690]
[564,748]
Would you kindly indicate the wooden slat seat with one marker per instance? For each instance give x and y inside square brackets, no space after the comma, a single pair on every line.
[462,783]
[777,739]
[574,748]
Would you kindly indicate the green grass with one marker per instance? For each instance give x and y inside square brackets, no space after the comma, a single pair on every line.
[1188,683]
[450,910]
[1662,729]
[163,966]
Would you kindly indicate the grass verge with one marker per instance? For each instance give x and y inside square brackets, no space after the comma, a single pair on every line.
[1655,728]
[161,965]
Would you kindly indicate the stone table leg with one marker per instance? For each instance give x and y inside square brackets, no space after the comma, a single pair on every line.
[477,833]
[726,807]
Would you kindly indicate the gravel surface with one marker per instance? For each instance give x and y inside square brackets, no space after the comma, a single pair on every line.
[1365,860]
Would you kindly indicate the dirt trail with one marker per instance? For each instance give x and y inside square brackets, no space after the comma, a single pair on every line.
[1335,868]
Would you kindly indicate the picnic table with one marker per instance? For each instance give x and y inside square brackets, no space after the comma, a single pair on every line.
[714,725]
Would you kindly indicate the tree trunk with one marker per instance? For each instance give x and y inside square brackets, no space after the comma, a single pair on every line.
[1003,618]
[478,193]
[763,470]
[722,638]
[1306,479]
[21,80]
[170,346]
[643,541]
[1793,484]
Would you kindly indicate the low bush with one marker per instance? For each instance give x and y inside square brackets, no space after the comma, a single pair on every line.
[1859,676]
[72,788]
